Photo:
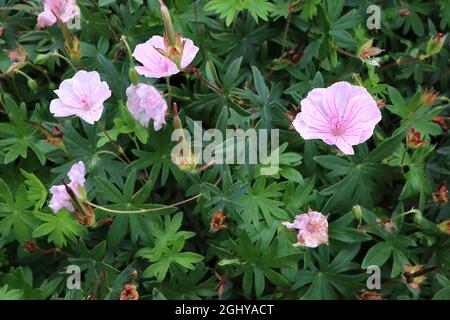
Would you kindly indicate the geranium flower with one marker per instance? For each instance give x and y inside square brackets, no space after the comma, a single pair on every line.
[312,229]
[83,96]
[60,198]
[342,114]
[144,103]
[63,9]
[154,56]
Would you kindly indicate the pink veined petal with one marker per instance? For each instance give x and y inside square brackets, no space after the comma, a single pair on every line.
[59,109]
[307,132]
[46,19]
[344,146]
[154,64]
[189,52]
[67,94]
[77,173]
[336,98]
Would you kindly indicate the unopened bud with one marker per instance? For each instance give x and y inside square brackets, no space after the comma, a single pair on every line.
[168,26]
[32,84]
[357,211]
[133,75]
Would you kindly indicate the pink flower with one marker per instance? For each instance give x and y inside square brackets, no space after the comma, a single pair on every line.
[155,64]
[342,114]
[63,9]
[60,197]
[83,96]
[144,103]
[76,175]
[312,229]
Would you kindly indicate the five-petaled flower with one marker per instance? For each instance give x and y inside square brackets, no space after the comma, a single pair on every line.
[342,114]
[82,96]
[157,57]
[312,229]
[57,9]
[145,102]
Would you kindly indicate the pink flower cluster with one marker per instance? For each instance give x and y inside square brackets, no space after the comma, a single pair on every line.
[60,197]
[312,229]
[342,114]
[63,9]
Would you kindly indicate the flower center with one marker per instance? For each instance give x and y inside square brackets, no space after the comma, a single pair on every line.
[337,127]
[83,100]
[312,227]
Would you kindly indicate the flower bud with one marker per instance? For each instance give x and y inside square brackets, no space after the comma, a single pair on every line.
[32,84]
[413,139]
[40,58]
[444,227]
[357,211]
[428,98]
[133,76]
[435,44]
[441,195]
[168,26]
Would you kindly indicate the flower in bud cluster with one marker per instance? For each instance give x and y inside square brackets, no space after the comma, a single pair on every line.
[428,98]
[442,121]
[404,12]
[18,55]
[64,10]
[441,195]
[435,45]
[369,295]
[368,51]
[444,227]
[413,139]
[217,221]
[312,229]
[129,292]
[60,196]
[414,281]
[146,103]
[30,246]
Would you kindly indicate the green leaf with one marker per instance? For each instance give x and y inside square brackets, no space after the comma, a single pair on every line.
[377,255]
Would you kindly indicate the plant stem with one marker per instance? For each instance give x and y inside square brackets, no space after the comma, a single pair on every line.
[118,148]
[387,220]
[397,62]
[169,90]
[55,53]
[208,84]
[143,210]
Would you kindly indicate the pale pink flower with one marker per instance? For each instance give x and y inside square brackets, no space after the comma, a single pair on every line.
[60,198]
[83,96]
[76,175]
[144,103]
[342,114]
[63,9]
[312,229]
[156,65]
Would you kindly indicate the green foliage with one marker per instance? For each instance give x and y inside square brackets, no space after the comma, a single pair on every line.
[153,220]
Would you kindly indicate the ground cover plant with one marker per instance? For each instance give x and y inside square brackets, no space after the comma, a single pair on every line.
[98,200]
